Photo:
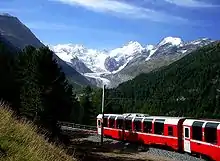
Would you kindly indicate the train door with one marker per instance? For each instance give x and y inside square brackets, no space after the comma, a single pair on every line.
[186,139]
[99,126]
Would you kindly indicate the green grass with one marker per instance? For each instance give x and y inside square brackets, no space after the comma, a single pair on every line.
[19,141]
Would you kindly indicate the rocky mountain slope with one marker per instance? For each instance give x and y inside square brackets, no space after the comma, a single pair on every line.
[121,64]
[16,35]
[189,87]
[159,56]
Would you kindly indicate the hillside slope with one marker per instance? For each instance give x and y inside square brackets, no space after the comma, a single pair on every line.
[14,34]
[161,55]
[19,142]
[187,87]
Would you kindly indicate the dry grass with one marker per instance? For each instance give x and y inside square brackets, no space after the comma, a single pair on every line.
[19,141]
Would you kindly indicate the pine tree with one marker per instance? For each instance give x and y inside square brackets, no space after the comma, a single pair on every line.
[45,94]
[57,92]
[27,78]
[89,111]
[8,89]
[76,112]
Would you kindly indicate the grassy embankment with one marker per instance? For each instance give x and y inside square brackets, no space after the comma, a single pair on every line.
[19,141]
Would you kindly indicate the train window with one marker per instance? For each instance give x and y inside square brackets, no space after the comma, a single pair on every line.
[159,126]
[148,125]
[105,121]
[197,130]
[186,132]
[211,132]
[137,125]
[128,124]
[112,122]
[99,123]
[170,130]
[119,123]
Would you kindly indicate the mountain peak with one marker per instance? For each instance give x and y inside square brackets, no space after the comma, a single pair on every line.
[71,48]
[171,40]
[149,47]
[129,49]
[6,14]
[134,44]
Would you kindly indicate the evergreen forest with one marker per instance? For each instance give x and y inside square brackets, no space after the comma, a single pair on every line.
[189,87]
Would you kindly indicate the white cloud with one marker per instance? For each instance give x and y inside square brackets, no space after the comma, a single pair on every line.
[122,9]
[191,3]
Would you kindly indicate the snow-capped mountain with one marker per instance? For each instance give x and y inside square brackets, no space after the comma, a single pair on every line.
[174,41]
[95,60]
[92,58]
[120,64]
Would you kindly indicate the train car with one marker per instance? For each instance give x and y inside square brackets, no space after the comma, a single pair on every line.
[158,130]
[182,134]
[202,137]
[139,128]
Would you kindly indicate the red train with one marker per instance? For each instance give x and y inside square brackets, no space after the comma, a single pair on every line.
[182,134]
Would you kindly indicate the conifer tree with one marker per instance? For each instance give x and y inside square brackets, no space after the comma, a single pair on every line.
[57,93]
[27,77]
[8,89]
[45,94]
[89,111]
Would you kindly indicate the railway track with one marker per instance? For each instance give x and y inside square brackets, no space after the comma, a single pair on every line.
[121,149]
[77,127]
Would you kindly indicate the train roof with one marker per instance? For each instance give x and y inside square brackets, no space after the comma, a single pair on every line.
[189,122]
[166,117]
[100,115]
[138,115]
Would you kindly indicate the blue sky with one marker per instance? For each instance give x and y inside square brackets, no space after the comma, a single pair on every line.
[110,23]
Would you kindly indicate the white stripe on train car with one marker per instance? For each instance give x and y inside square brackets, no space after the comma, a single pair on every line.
[133,119]
[164,136]
[203,125]
[218,127]
[188,122]
[100,115]
[204,143]
[171,121]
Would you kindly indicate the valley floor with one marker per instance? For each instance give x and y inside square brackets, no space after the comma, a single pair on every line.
[86,147]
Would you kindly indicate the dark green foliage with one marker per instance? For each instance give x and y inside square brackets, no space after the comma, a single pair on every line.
[187,87]
[8,87]
[27,77]
[33,83]
[56,92]
[45,94]
[76,113]
[89,111]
